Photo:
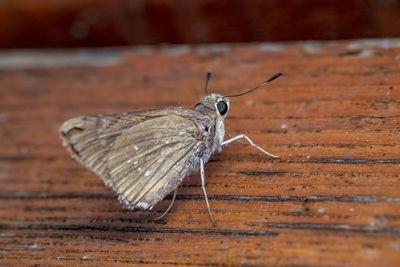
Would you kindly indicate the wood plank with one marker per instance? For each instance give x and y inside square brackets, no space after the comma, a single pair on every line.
[331,199]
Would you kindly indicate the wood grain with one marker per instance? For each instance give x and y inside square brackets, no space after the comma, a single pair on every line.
[99,23]
[332,199]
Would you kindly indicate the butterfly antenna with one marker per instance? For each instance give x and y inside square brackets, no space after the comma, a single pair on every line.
[258,86]
[207,80]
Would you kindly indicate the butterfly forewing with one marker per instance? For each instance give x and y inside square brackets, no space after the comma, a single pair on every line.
[143,155]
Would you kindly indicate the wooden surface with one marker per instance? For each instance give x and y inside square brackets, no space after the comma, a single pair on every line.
[332,199]
[83,23]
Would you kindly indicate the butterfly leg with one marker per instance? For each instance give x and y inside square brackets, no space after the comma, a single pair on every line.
[169,207]
[250,142]
[204,190]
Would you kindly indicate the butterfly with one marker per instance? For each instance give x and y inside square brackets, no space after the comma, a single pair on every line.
[145,155]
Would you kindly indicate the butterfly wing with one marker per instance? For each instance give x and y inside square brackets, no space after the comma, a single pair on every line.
[143,156]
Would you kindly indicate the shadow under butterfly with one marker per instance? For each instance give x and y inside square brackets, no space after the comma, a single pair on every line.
[145,155]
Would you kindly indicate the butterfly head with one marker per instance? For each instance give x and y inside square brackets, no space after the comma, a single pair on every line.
[214,103]
[220,104]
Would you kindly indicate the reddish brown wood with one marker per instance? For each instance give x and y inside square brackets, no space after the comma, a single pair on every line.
[332,199]
[77,23]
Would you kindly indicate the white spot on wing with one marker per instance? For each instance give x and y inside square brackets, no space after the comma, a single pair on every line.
[167,142]
[139,169]
[142,205]
[136,148]
[147,173]
[135,162]
[129,161]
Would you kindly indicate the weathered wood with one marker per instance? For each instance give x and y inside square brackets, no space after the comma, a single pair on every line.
[333,198]
[90,23]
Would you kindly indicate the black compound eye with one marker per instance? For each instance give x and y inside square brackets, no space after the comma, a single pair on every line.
[222,107]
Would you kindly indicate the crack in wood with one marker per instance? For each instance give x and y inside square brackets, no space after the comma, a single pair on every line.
[320,226]
[343,198]
[60,227]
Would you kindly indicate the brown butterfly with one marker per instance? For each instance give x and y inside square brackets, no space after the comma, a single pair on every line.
[145,155]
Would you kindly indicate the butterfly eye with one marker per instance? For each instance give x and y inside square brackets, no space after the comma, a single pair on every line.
[222,107]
